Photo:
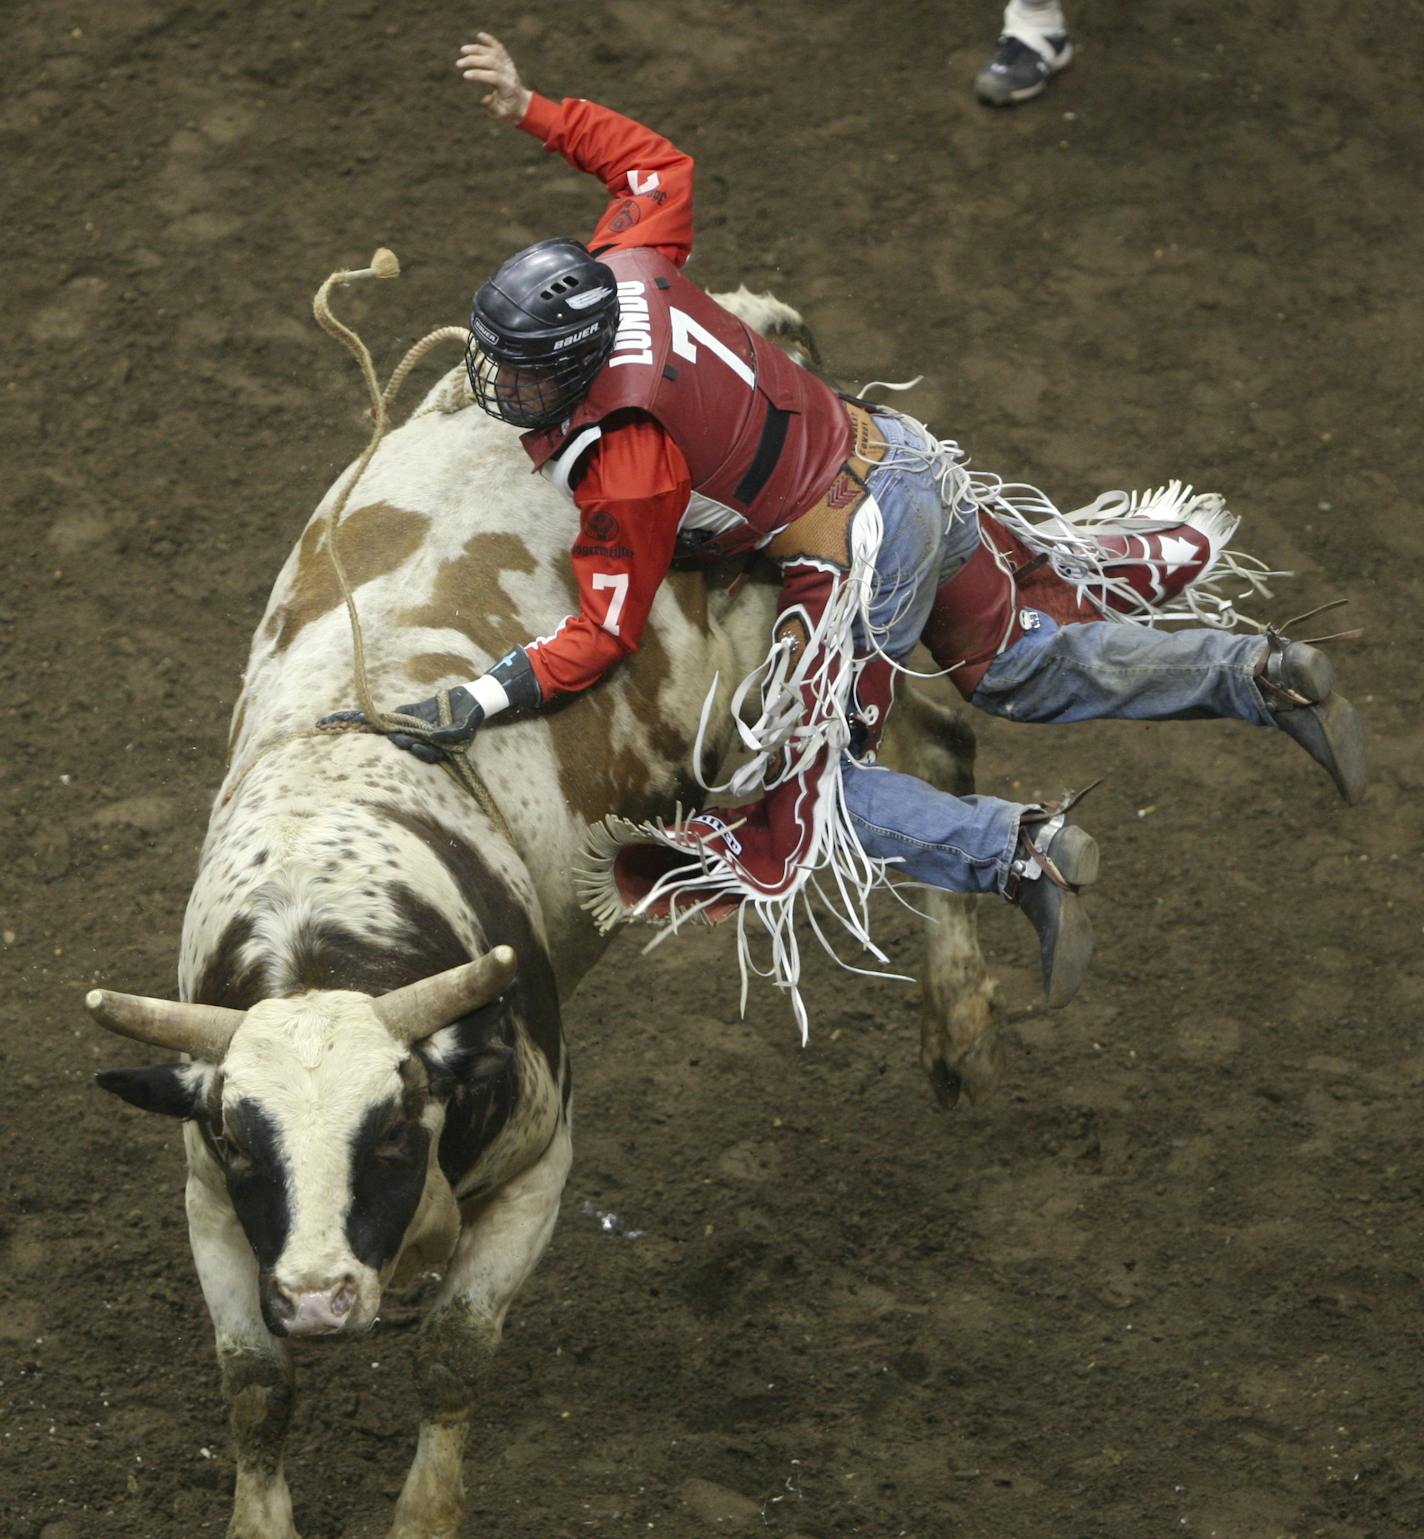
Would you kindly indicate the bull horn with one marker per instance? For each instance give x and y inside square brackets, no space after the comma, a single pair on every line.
[430,1003]
[203,1031]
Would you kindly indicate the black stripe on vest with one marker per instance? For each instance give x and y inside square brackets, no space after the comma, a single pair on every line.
[773,436]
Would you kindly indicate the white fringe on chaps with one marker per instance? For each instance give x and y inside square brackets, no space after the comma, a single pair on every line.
[790,742]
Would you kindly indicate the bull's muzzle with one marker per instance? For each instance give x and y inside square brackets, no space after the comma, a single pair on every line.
[321,1311]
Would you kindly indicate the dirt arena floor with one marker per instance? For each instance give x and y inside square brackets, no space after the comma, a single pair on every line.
[1167,1281]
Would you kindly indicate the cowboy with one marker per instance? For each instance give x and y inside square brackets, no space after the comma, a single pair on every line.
[677,431]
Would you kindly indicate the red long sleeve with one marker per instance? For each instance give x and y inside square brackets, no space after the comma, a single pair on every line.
[648,179]
[630,501]
[635,485]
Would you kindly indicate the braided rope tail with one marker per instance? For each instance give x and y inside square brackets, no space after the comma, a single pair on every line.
[384,264]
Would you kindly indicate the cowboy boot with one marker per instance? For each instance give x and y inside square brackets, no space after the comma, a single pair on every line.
[1298,686]
[1054,861]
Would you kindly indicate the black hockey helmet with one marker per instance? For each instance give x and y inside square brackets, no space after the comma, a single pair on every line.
[541,328]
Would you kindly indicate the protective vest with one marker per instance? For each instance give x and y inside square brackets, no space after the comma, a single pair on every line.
[762,437]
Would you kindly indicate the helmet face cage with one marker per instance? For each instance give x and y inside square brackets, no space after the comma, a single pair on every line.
[536,392]
[540,330]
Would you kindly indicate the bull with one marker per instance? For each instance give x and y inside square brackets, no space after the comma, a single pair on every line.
[370,1088]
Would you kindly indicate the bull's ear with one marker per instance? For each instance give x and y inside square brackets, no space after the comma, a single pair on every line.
[476,1048]
[170,1089]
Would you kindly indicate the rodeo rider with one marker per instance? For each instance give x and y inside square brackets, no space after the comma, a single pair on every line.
[676,431]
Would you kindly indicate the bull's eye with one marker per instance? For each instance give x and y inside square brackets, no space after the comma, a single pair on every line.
[234,1151]
[393,1144]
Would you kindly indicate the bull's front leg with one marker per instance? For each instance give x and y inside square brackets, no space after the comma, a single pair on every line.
[256,1366]
[959,1045]
[498,1248]
[959,1039]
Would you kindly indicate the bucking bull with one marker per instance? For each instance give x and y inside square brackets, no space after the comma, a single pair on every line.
[373,963]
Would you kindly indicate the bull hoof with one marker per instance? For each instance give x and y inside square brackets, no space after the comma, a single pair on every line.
[947,1085]
[973,1075]
[976,1075]
[437,1521]
[261,1525]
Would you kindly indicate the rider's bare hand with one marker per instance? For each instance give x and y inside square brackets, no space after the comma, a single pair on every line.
[487,62]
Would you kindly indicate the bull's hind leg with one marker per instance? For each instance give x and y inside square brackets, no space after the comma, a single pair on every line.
[498,1248]
[959,1045]
[256,1366]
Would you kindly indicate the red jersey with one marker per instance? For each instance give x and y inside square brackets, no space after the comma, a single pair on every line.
[635,485]
[624,455]
[763,438]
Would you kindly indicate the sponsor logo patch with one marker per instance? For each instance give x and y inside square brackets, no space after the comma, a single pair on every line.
[720,828]
[627,215]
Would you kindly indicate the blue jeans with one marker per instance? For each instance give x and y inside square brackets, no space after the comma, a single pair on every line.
[964,843]
[1053,673]
[1100,669]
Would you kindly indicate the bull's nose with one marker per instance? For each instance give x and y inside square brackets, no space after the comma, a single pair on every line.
[312,1311]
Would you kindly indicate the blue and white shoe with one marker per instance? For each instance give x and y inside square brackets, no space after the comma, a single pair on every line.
[1021,68]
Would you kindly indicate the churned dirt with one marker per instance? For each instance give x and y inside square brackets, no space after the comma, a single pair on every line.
[1168,1280]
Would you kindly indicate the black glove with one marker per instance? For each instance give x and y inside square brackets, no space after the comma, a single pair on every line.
[515,676]
[466,715]
[513,673]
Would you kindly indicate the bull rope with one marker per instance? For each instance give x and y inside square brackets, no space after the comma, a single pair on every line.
[384,264]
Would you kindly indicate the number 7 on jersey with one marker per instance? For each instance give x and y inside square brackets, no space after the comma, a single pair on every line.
[618,582]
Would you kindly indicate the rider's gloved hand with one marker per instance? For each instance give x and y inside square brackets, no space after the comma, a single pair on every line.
[466,716]
[510,681]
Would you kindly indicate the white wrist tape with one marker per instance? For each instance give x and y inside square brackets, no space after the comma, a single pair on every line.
[490,694]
